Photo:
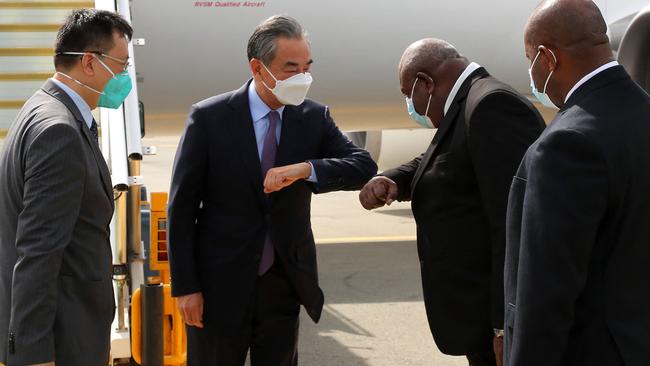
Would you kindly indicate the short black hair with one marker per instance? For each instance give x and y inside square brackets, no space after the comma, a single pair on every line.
[87,30]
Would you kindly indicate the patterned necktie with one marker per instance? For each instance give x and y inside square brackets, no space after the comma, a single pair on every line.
[94,132]
[268,161]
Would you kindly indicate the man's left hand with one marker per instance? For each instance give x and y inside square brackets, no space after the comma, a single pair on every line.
[284,176]
[498,349]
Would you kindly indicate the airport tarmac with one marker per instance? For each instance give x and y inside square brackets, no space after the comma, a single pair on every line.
[374,314]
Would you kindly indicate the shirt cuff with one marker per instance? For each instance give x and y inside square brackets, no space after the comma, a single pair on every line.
[312,177]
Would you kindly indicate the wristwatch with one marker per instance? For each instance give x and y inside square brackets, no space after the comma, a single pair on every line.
[499,333]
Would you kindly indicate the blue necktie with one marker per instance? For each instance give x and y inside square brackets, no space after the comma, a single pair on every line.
[268,161]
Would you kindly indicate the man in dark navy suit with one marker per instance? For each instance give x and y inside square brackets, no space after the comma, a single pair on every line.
[242,251]
[577,280]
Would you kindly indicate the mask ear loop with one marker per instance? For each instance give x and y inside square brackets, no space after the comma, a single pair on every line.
[80,83]
[273,76]
[105,66]
[426,113]
[94,56]
[552,71]
[535,59]
[530,70]
[413,88]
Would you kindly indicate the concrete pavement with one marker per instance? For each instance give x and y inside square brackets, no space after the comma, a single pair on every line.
[374,314]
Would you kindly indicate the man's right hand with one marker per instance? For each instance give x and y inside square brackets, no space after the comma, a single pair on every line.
[191,309]
[379,191]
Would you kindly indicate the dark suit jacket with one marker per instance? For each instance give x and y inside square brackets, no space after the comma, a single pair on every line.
[459,189]
[219,214]
[578,246]
[56,202]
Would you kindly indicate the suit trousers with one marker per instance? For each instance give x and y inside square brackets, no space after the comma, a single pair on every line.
[271,336]
[483,359]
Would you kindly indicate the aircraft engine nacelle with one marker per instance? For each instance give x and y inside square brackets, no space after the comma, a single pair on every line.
[634,50]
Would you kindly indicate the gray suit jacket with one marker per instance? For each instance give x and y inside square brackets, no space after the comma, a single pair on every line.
[56,203]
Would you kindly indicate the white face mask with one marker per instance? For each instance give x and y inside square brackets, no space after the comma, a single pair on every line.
[291,91]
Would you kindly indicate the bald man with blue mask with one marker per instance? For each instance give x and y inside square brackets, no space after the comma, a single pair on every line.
[577,254]
[459,190]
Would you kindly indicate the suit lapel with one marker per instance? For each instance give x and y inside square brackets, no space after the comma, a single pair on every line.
[105,174]
[243,137]
[52,89]
[446,123]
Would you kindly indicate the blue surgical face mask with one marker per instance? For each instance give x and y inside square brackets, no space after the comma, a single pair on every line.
[115,91]
[422,120]
[542,97]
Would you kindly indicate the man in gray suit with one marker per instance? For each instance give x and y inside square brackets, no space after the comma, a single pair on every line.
[56,202]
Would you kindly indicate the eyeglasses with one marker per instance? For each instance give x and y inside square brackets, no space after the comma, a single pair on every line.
[125,63]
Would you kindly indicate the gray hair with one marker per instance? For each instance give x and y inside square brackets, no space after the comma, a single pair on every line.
[262,45]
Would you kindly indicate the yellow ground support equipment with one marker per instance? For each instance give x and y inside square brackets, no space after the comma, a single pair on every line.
[174,339]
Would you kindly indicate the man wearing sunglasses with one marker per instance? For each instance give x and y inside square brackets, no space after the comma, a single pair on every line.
[56,202]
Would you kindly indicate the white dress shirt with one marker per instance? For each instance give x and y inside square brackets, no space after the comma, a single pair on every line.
[461,79]
[589,76]
[260,115]
[81,104]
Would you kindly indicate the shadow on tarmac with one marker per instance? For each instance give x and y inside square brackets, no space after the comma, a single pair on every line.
[360,273]
[400,212]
